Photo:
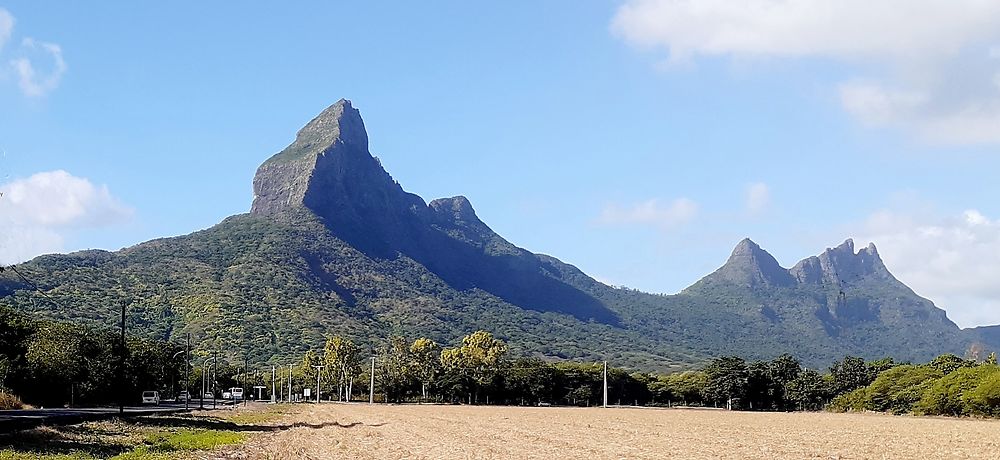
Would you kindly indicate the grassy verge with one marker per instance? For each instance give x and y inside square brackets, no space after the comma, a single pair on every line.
[141,438]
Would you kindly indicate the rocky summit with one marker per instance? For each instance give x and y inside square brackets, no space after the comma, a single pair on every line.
[333,245]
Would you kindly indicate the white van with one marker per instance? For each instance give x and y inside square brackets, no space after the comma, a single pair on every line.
[151,397]
[236,393]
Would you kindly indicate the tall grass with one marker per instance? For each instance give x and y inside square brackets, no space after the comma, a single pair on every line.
[9,401]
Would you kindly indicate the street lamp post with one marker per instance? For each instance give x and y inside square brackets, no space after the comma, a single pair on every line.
[204,372]
[318,370]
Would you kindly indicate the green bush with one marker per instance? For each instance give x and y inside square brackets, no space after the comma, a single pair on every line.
[945,397]
[898,389]
[985,398]
[852,401]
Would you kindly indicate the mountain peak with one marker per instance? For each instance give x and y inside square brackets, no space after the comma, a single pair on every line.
[749,265]
[328,169]
[338,122]
[745,246]
[841,265]
[456,208]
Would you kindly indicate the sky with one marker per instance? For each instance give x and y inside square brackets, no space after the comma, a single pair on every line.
[639,140]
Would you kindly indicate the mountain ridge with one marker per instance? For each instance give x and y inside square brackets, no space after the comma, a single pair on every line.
[332,244]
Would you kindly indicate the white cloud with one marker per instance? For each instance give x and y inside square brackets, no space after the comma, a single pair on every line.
[952,260]
[650,212]
[31,82]
[6,26]
[38,212]
[927,66]
[758,198]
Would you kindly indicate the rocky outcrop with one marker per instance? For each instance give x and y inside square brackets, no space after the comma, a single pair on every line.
[329,172]
[841,265]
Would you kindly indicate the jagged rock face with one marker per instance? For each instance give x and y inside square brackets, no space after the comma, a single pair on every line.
[841,265]
[329,172]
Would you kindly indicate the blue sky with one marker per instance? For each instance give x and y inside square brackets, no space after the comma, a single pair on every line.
[639,140]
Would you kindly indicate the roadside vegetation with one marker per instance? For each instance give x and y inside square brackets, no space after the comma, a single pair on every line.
[45,363]
[143,438]
[480,372]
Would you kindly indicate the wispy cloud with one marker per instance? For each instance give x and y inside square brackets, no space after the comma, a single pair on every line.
[39,211]
[6,27]
[952,259]
[929,67]
[650,212]
[758,198]
[31,82]
[33,78]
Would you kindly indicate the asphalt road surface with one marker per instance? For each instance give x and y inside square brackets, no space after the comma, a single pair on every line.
[14,420]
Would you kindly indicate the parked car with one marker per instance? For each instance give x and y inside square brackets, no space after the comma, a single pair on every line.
[208,395]
[151,397]
[183,396]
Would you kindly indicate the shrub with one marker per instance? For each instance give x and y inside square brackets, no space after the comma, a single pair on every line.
[9,401]
[853,401]
[985,398]
[945,397]
[898,389]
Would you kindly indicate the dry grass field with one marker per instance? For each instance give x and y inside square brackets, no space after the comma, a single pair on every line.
[360,431]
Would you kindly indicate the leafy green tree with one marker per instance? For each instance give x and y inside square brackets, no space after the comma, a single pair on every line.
[479,358]
[342,359]
[727,381]
[807,390]
[426,361]
[898,389]
[945,396]
[849,374]
[949,363]
[394,375]
[984,399]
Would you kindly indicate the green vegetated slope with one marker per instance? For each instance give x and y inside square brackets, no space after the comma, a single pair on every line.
[333,245]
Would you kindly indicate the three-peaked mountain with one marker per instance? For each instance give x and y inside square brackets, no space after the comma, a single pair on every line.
[333,245]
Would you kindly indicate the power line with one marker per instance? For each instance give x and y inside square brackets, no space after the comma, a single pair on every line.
[35,287]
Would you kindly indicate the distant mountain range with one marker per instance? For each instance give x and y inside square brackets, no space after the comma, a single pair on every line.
[333,245]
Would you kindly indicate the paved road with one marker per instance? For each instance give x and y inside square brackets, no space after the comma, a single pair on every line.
[14,420]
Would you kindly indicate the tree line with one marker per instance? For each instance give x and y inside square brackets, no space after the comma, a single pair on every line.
[51,363]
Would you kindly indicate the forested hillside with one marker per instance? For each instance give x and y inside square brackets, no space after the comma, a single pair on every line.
[334,246]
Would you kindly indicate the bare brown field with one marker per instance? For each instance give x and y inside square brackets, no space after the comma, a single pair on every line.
[332,431]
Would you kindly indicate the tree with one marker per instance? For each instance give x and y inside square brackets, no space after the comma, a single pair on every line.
[727,381]
[426,361]
[394,368]
[807,391]
[945,396]
[479,358]
[849,374]
[342,359]
[899,388]
[949,363]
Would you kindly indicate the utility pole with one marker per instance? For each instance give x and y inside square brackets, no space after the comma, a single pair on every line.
[371,386]
[187,372]
[318,370]
[204,384]
[121,369]
[273,396]
[605,384]
[289,383]
[246,377]
[215,374]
